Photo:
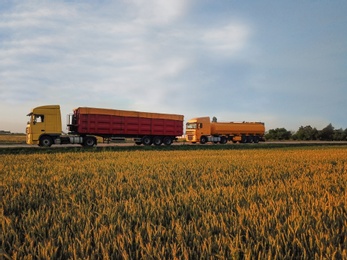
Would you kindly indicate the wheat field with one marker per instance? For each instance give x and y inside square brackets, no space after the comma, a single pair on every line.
[180,204]
[12,138]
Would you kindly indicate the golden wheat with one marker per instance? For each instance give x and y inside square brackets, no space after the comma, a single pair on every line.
[241,204]
[12,138]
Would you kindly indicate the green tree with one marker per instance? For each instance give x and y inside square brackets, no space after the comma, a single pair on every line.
[306,133]
[214,119]
[339,135]
[278,134]
[327,133]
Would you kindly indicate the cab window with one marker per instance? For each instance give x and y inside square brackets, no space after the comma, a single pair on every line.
[191,125]
[39,118]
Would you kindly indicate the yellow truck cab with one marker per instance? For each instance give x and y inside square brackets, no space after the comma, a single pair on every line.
[44,123]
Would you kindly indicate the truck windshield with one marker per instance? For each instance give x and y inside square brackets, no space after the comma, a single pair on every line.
[36,118]
[191,126]
[30,116]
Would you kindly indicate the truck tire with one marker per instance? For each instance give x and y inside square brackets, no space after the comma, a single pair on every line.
[167,140]
[203,139]
[89,141]
[45,141]
[147,140]
[256,139]
[157,140]
[223,140]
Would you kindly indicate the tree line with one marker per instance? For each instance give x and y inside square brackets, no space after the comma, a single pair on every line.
[305,133]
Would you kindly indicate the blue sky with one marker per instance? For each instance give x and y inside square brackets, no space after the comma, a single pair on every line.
[280,62]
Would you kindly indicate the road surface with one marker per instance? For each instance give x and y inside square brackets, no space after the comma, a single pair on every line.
[180,143]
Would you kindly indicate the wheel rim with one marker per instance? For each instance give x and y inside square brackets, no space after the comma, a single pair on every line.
[157,141]
[90,142]
[46,142]
[167,141]
[147,141]
[203,140]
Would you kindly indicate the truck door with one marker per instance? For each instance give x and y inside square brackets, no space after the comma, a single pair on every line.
[38,126]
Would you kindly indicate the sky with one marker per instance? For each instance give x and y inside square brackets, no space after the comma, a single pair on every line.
[280,62]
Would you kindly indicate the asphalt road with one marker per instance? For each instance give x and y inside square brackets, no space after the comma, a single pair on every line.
[181,143]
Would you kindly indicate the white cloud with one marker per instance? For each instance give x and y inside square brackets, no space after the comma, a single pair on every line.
[227,40]
[40,15]
[158,12]
[63,45]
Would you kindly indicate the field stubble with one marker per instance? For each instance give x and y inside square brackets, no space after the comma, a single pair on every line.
[241,204]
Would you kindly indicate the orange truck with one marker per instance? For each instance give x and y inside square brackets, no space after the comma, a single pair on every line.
[202,130]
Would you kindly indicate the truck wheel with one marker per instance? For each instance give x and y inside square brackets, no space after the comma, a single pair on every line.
[89,141]
[203,139]
[147,140]
[256,139]
[45,141]
[167,140]
[223,140]
[157,140]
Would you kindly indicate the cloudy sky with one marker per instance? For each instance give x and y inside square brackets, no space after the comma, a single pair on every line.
[280,62]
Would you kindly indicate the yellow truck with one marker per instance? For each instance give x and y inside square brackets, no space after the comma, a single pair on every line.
[202,130]
[86,123]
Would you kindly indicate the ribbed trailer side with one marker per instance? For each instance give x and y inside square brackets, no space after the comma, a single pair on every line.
[109,122]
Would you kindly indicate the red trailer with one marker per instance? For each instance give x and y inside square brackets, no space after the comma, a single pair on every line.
[145,128]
